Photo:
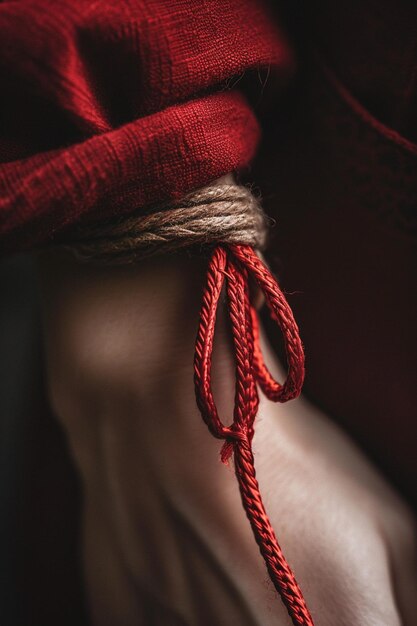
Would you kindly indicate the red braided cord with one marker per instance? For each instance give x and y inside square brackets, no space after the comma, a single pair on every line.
[235,263]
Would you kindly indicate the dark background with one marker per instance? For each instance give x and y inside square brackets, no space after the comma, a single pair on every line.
[40,581]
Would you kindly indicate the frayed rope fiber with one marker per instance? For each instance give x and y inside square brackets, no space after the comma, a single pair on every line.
[229,218]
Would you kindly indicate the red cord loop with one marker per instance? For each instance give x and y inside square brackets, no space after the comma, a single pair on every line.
[282,314]
[234,264]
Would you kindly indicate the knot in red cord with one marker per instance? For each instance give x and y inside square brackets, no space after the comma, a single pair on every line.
[235,264]
[233,435]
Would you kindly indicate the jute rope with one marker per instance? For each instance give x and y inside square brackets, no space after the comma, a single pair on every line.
[223,212]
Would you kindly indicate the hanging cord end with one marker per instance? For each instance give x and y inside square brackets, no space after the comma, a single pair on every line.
[234,264]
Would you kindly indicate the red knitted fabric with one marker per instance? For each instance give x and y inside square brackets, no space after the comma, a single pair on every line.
[109,107]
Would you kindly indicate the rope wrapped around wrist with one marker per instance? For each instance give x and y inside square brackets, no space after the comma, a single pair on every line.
[229,218]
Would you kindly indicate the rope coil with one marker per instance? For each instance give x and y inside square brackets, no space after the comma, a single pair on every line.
[222,212]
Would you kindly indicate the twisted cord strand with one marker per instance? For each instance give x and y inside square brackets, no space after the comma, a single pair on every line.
[234,264]
[283,316]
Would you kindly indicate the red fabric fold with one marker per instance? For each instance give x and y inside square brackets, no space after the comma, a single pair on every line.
[150,160]
[111,107]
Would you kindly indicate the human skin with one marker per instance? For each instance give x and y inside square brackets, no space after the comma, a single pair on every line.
[165,537]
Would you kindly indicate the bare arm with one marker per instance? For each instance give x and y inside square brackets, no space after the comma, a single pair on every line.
[165,538]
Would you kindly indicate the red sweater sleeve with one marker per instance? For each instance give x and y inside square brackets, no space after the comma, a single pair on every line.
[111,107]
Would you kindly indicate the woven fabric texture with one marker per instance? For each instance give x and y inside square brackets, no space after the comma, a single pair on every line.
[110,107]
